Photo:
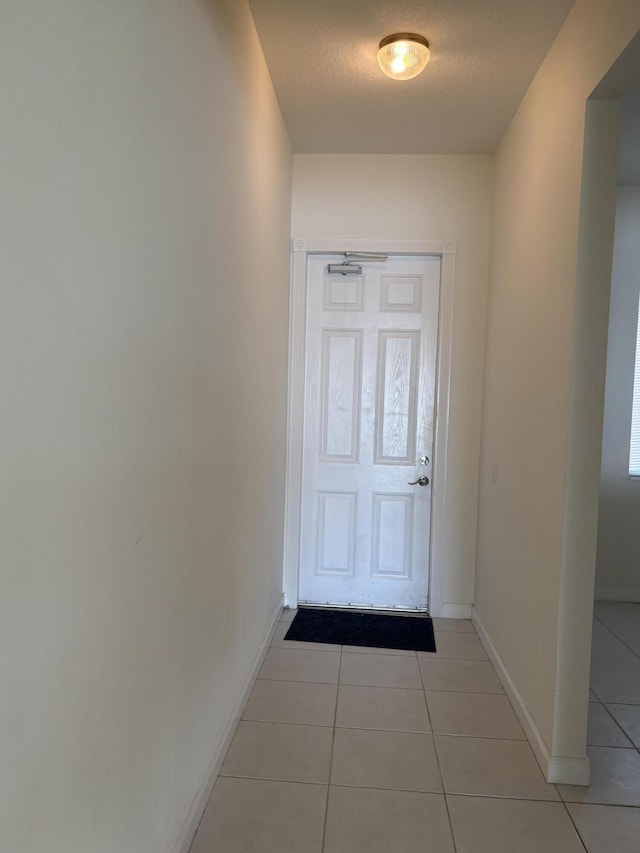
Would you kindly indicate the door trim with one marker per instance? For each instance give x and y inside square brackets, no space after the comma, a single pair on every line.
[302,247]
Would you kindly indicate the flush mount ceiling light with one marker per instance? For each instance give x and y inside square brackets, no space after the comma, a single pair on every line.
[403,55]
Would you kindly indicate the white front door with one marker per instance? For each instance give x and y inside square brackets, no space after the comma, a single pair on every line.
[370,367]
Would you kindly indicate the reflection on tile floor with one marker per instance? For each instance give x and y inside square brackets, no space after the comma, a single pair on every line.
[345,750]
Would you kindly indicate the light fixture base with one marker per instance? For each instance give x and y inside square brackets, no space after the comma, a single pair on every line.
[403,37]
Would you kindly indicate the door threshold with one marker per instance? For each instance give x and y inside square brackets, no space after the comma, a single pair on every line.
[365,608]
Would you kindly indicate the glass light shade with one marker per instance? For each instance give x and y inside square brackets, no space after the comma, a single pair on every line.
[403,55]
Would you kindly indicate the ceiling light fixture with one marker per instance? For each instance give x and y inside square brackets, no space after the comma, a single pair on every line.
[403,55]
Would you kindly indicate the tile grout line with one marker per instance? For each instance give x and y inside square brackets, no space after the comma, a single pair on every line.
[511,798]
[594,692]
[601,804]
[441,793]
[632,744]
[610,701]
[297,681]
[613,669]
[480,737]
[283,723]
[396,687]
[575,825]
[473,796]
[318,651]
[274,779]
[619,639]
[435,750]
[333,740]
[367,686]
[349,684]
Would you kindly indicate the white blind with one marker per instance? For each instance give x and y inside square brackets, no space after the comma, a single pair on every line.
[634,450]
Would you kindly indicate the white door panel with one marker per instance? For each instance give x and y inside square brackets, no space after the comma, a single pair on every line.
[370,364]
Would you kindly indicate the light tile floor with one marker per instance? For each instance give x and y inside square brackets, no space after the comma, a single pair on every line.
[613,736]
[346,750]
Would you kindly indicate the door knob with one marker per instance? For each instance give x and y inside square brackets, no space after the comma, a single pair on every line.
[421,481]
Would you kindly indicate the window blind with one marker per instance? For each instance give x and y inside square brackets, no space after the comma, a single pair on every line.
[634,450]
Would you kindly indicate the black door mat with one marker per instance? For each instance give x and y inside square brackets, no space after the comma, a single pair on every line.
[348,628]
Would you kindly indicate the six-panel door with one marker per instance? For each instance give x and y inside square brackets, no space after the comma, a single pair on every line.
[370,366]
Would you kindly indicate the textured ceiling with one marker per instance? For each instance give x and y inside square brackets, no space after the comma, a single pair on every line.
[322,58]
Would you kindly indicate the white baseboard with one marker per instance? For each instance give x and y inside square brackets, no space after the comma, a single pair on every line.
[456,611]
[558,770]
[569,771]
[617,594]
[199,803]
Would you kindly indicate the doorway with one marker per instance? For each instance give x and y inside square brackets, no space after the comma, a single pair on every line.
[359,523]
[614,699]
[590,333]
[370,371]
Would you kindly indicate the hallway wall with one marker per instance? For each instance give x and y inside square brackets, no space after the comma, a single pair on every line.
[412,197]
[529,565]
[145,215]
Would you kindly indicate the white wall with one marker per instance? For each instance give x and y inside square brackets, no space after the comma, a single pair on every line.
[144,213]
[618,556]
[422,198]
[533,585]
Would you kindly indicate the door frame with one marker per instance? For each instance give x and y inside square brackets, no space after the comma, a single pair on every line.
[301,248]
